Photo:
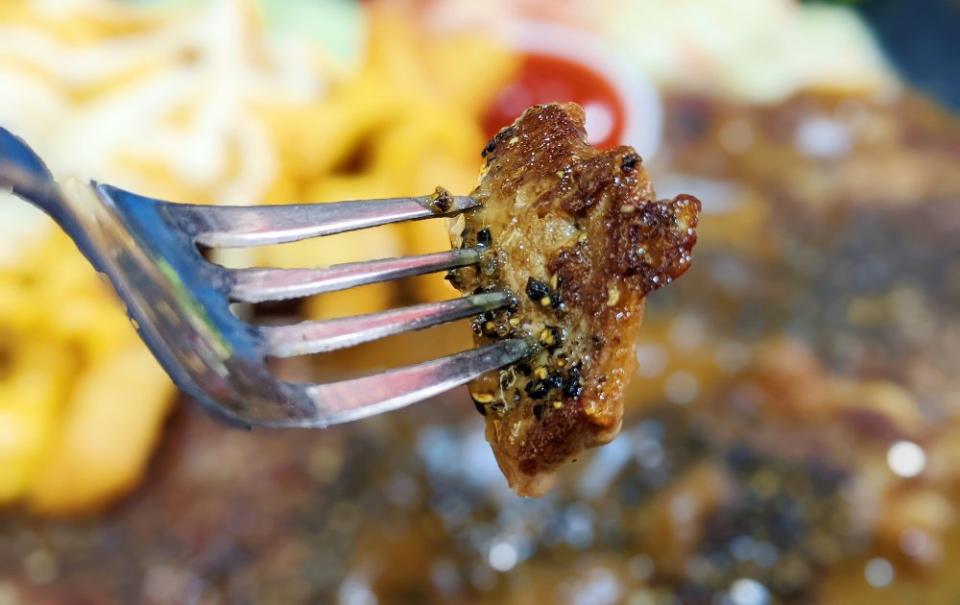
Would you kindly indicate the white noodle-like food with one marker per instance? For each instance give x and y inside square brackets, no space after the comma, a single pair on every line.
[233,66]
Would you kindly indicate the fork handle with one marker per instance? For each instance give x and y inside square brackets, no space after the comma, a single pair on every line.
[24,173]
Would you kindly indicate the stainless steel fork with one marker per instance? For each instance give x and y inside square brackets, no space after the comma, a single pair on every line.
[180,303]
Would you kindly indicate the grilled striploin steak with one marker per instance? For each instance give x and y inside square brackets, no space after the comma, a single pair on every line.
[576,234]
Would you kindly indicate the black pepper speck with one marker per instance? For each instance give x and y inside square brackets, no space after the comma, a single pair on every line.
[537,389]
[630,162]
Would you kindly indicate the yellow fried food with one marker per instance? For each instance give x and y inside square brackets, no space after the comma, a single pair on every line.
[71,368]
[33,380]
[407,122]
[82,402]
[109,428]
[420,152]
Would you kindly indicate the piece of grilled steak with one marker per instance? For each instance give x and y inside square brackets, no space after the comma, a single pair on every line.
[576,234]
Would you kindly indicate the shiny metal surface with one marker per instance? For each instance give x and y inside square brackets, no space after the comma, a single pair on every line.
[238,226]
[260,285]
[330,335]
[180,303]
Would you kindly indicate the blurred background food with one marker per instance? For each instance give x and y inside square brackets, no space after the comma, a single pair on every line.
[792,433]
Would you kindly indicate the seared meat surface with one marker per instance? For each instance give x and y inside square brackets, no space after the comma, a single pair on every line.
[576,234]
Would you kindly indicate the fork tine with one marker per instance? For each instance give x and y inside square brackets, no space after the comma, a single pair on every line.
[322,336]
[240,226]
[363,397]
[259,285]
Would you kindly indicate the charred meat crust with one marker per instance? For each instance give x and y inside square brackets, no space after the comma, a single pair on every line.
[577,235]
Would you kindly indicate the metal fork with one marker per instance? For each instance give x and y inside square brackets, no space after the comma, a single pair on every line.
[180,303]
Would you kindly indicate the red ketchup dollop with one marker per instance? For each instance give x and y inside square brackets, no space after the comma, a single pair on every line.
[545,79]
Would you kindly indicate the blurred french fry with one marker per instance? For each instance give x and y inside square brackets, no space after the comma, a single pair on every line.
[368,185]
[344,248]
[64,334]
[395,50]
[91,318]
[82,406]
[315,139]
[462,71]
[110,427]
[32,385]
[431,146]
[284,190]
[382,242]
[472,69]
